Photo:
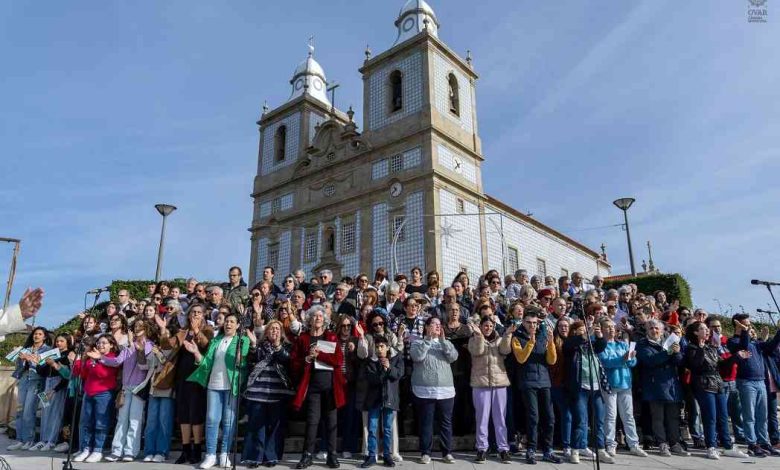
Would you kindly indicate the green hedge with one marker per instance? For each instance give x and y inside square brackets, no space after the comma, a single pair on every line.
[675,286]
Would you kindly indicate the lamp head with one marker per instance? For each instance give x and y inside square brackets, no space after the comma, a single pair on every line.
[164,209]
[623,203]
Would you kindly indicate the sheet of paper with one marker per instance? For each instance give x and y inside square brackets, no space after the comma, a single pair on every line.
[51,353]
[631,346]
[670,340]
[44,399]
[328,347]
[11,356]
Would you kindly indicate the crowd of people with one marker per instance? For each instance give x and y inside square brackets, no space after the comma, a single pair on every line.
[536,367]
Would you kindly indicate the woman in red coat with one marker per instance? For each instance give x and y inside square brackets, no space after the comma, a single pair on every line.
[321,383]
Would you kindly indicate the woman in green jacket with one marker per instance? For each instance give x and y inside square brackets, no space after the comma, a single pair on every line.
[217,372]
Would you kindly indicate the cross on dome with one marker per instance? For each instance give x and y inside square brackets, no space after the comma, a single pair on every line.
[309,78]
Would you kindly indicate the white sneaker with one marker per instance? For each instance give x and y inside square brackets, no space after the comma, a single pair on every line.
[94,457]
[112,458]
[159,458]
[425,459]
[149,458]
[586,453]
[223,460]
[712,453]
[735,452]
[663,450]
[638,451]
[37,447]
[208,462]
[574,456]
[321,455]
[605,457]
[26,446]
[397,458]
[81,456]
[15,446]
[567,452]
[47,447]
[62,447]
[449,458]
[127,458]
[346,455]
[612,450]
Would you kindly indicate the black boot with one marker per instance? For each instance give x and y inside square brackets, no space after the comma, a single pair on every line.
[186,452]
[306,461]
[333,461]
[195,455]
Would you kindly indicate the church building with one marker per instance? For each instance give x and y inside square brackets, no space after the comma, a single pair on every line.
[405,188]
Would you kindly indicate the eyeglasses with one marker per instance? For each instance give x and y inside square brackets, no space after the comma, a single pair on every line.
[361,281]
[379,323]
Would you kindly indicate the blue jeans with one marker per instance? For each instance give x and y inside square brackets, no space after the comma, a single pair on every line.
[735,408]
[51,417]
[715,417]
[563,404]
[264,440]
[374,415]
[427,409]
[159,426]
[220,408]
[95,419]
[29,386]
[752,394]
[581,411]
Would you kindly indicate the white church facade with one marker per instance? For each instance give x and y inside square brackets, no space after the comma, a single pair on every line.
[405,189]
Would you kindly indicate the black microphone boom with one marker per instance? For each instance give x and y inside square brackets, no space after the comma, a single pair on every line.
[99,290]
[756,282]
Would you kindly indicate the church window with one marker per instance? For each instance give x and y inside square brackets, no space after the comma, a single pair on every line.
[276,205]
[396,163]
[512,255]
[330,240]
[348,237]
[460,206]
[398,222]
[396,91]
[541,268]
[310,252]
[454,94]
[280,143]
[273,256]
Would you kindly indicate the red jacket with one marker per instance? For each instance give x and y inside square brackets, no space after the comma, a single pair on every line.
[727,368]
[97,377]
[302,369]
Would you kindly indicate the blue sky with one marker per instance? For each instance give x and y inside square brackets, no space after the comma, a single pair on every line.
[110,107]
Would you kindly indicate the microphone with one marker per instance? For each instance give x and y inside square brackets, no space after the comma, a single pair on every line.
[98,290]
[765,311]
[756,282]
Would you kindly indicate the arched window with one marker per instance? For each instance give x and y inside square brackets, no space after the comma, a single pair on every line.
[396,91]
[280,142]
[454,94]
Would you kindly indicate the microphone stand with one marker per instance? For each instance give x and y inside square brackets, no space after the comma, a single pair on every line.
[237,405]
[769,288]
[67,464]
[593,358]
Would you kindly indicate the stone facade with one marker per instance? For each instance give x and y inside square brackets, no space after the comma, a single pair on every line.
[407,191]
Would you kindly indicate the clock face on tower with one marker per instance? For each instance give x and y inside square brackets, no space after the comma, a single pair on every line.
[458,165]
[396,189]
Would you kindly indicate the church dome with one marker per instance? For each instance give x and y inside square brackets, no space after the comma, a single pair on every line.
[309,79]
[414,17]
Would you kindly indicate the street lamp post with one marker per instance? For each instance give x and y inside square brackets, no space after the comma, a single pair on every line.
[165,210]
[623,204]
